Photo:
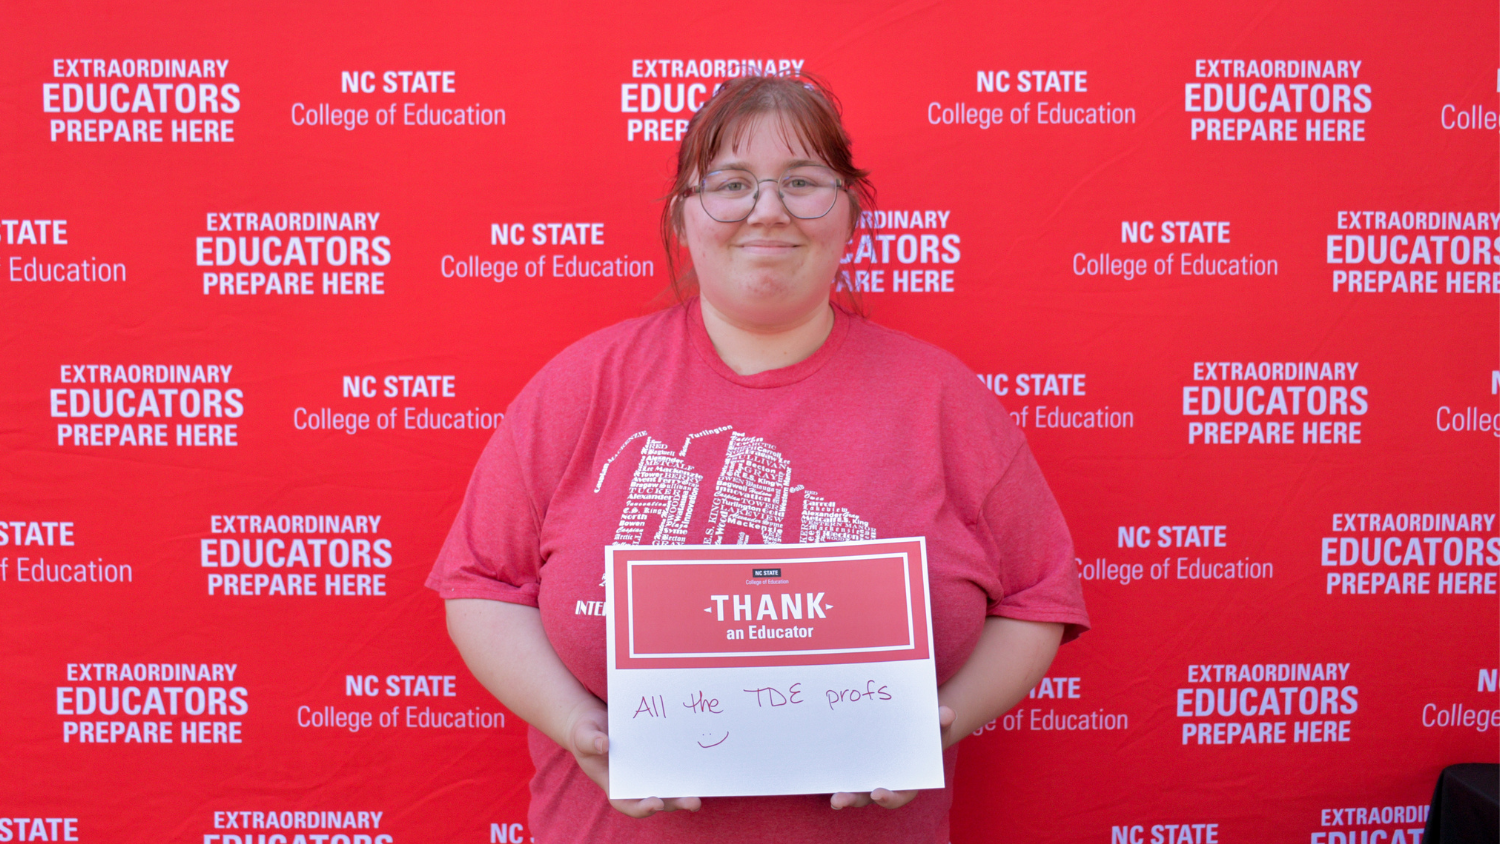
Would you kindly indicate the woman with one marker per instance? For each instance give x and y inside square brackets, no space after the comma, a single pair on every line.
[866,432]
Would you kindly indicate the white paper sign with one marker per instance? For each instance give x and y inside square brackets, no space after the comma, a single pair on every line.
[770,669]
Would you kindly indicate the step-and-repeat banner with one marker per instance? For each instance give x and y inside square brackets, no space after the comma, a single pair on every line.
[272,275]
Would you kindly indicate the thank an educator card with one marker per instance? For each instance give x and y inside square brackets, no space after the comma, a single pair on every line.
[770,669]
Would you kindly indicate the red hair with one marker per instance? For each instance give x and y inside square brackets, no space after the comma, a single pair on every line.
[807,110]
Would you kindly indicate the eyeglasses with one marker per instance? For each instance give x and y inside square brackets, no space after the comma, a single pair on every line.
[807,192]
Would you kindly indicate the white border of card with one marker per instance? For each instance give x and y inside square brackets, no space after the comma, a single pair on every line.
[746,746]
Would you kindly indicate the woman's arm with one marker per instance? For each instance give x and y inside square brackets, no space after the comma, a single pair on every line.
[1010,658]
[508,652]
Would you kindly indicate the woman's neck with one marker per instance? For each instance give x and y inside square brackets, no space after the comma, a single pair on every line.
[749,349]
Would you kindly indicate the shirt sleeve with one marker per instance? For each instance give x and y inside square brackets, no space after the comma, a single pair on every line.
[1034,550]
[493,549]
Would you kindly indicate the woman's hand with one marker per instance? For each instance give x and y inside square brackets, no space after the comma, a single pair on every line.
[588,740]
[508,651]
[884,796]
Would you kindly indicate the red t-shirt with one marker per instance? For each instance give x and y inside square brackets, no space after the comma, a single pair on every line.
[640,434]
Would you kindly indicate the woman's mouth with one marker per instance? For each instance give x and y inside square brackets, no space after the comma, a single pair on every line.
[768,247]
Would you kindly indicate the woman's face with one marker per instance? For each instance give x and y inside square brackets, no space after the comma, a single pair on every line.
[771,269]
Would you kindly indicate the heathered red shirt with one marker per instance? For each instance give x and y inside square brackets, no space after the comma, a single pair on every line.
[623,437]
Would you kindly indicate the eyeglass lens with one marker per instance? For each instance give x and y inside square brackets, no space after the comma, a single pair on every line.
[808,192]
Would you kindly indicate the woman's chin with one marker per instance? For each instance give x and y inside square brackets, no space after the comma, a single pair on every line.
[767,269]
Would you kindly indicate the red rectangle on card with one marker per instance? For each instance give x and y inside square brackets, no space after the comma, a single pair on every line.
[724,606]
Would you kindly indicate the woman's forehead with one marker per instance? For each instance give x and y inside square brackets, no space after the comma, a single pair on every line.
[770,133]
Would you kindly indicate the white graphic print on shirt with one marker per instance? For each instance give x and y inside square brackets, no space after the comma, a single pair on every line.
[752,496]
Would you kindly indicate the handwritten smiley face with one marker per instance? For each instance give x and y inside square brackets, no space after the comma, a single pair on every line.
[709,737]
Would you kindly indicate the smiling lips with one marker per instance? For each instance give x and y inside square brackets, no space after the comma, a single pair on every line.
[715,744]
[767,245]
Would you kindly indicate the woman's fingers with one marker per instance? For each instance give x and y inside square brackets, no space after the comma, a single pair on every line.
[850,800]
[595,742]
[651,805]
[945,716]
[880,797]
[892,799]
[589,739]
[638,808]
[588,733]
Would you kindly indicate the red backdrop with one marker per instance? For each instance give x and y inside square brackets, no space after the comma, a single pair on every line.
[1232,270]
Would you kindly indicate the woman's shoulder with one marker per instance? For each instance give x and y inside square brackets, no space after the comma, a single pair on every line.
[931,379]
[906,359]
[614,344]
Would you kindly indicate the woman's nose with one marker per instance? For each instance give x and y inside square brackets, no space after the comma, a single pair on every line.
[768,205]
